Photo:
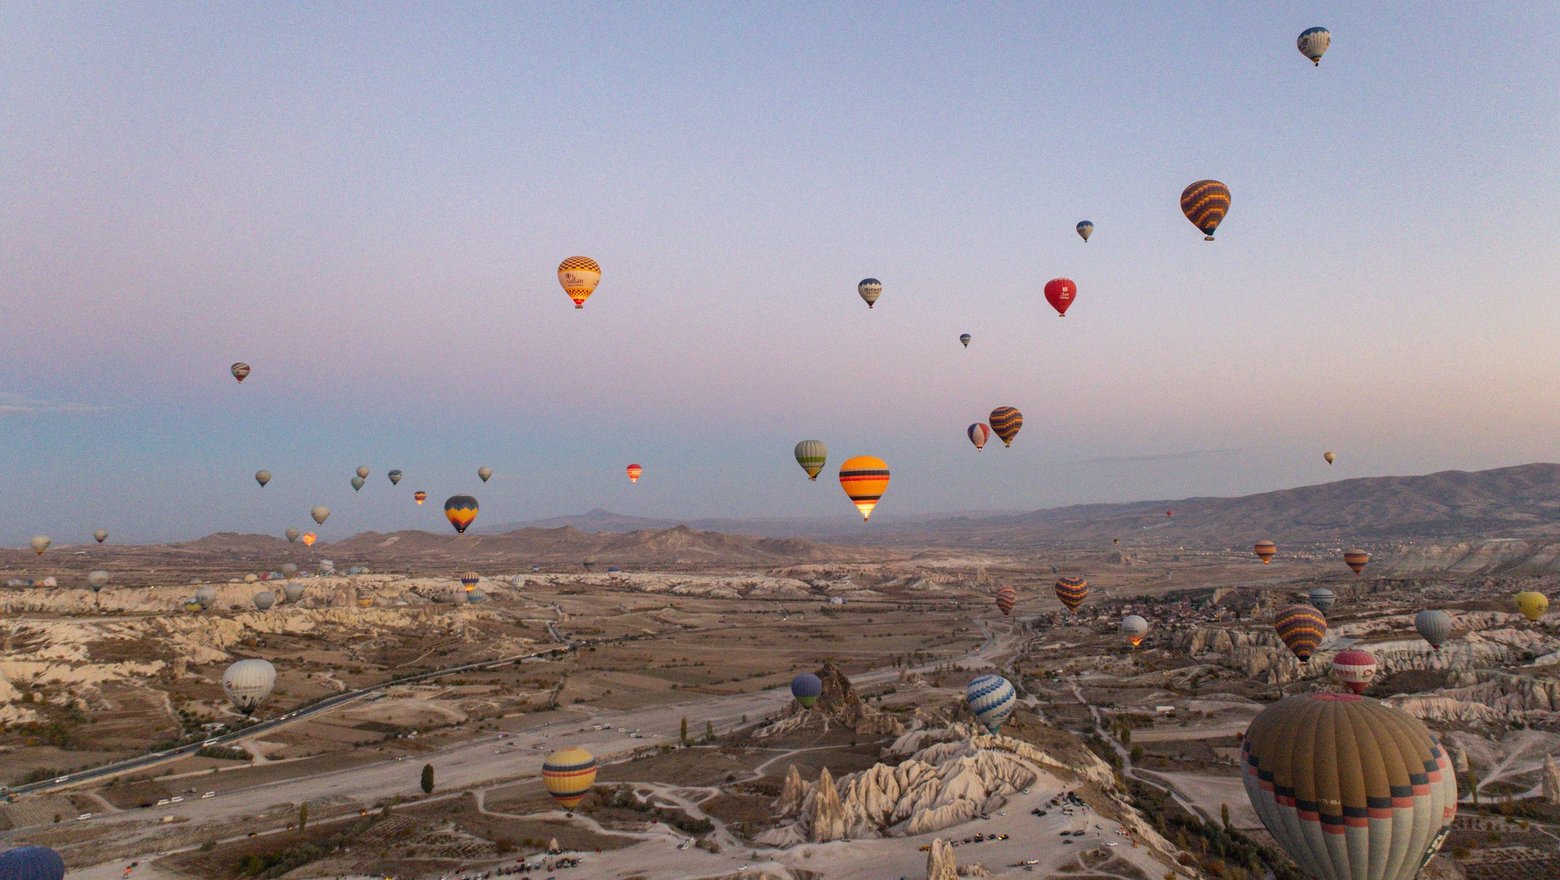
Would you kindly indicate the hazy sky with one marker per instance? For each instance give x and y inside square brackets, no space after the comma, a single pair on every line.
[367,203]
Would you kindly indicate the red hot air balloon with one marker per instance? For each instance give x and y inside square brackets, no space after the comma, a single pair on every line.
[978,435]
[1007,598]
[1060,293]
[634,471]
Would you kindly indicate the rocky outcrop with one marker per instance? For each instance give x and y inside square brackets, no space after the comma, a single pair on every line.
[825,814]
[1490,697]
[940,864]
[1551,783]
[791,793]
[838,704]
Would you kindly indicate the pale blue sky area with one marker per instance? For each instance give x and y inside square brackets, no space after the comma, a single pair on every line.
[367,203]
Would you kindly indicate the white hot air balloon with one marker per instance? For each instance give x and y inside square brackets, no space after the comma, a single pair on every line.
[247,684]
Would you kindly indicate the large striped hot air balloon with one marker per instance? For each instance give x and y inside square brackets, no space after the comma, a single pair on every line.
[395,476]
[1322,598]
[811,455]
[1072,591]
[1434,625]
[1532,605]
[1265,551]
[634,471]
[1351,788]
[991,698]
[1356,559]
[469,580]
[978,434]
[579,277]
[1060,293]
[460,510]
[1354,669]
[1005,423]
[568,775]
[1312,42]
[1007,598]
[1205,203]
[240,371]
[419,496]
[1135,628]
[1301,628]
[806,688]
[870,289]
[864,478]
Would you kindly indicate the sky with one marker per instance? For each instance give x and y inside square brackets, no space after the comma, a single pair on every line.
[367,203]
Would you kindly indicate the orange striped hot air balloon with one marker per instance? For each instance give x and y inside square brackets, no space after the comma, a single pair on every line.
[1205,203]
[864,478]
[1356,559]
[634,471]
[1005,423]
[1072,591]
[419,496]
[1007,598]
[579,277]
[1301,627]
[568,775]
[460,510]
[1265,551]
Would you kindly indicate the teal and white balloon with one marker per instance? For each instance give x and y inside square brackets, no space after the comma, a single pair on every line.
[357,483]
[991,698]
[1313,42]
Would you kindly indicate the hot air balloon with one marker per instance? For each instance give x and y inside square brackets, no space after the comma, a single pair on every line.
[1313,42]
[395,477]
[1434,625]
[1005,423]
[248,683]
[469,580]
[978,434]
[206,596]
[101,535]
[320,514]
[264,600]
[579,277]
[811,454]
[1329,457]
[309,538]
[97,580]
[288,569]
[1532,605]
[1135,628]
[991,698]
[864,478]
[806,688]
[460,510]
[1322,598]
[634,471]
[1007,597]
[1356,559]
[357,483]
[262,477]
[568,775]
[1060,293]
[1072,591]
[293,591]
[1265,551]
[1351,788]
[964,339]
[1205,203]
[870,289]
[419,496]
[239,370]
[192,606]
[40,543]
[1301,628]
[1085,229]
[1354,668]
[483,473]
[292,536]
[31,863]
[476,597]
[1170,513]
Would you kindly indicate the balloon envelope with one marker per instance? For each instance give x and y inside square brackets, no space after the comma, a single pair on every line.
[1007,599]
[864,479]
[461,511]
[262,477]
[395,477]
[239,370]
[357,483]
[1006,421]
[1085,229]
[1313,43]
[469,580]
[1329,457]
[264,600]
[978,434]
[101,535]
[1351,788]
[1322,598]
[870,289]
[309,538]
[484,473]
[1265,551]
[419,496]
[320,514]
[40,543]
[1532,605]
[205,596]
[634,472]
[806,688]
[97,579]
[1135,628]
[964,339]
[1302,629]
[1205,203]
[991,698]
[1354,669]
[293,591]
[568,775]
[1356,559]
[363,472]
[292,535]
[579,277]
[248,682]
[31,863]
[1060,293]
[1072,591]
[1434,625]
[811,455]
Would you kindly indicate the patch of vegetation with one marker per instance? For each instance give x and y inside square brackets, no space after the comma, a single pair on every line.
[1220,852]
[224,753]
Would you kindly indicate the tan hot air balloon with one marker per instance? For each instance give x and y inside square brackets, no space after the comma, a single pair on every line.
[1329,457]
[363,472]
[41,543]
[484,473]
[100,535]
[320,514]
[579,277]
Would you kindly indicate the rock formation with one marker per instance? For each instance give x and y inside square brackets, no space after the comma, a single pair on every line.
[826,816]
[940,864]
[837,704]
[1551,780]
[791,793]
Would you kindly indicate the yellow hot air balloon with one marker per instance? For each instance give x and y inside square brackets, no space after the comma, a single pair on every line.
[579,277]
[1329,457]
[309,538]
[864,478]
[568,775]
[1532,605]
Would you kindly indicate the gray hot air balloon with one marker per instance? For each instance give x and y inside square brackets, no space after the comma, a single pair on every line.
[1322,599]
[476,597]
[292,535]
[41,543]
[395,477]
[965,339]
[293,591]
[320,514]
[248,683]
[288,569]
[262,477]
[518,581]
[484,473]
[811,455]
[101,535]
[1134,628]
[1435,625]
[264,600]
[362,471]
[206,596]
[357,483]
[97,580]
[870,289]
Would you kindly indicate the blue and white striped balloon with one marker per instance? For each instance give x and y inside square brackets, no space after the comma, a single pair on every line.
[991,698]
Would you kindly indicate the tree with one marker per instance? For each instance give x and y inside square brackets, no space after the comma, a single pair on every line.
[683,736]
[427,779]
[1224,814]
[709,731]
[1473,786]
[303,816]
